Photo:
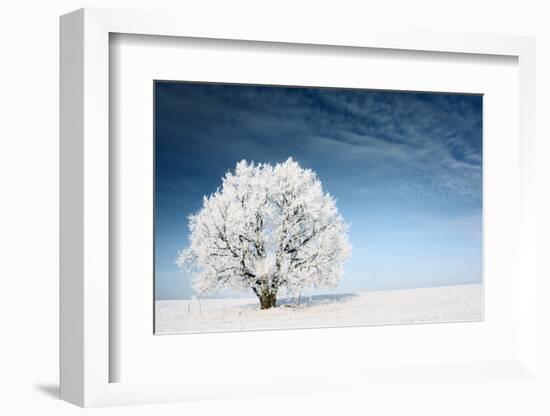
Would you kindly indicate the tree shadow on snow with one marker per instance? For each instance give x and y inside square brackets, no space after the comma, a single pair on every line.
[307,301]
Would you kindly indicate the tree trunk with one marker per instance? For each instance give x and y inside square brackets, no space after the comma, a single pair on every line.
[268,300]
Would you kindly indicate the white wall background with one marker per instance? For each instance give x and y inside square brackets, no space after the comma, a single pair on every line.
[29,207]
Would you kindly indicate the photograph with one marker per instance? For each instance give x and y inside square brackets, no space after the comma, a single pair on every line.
[295,207]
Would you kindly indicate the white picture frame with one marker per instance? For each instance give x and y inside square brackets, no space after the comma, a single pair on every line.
[86,333]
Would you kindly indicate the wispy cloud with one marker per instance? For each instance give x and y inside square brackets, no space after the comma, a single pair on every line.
[427,143]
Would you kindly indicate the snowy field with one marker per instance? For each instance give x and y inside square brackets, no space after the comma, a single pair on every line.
[436,304]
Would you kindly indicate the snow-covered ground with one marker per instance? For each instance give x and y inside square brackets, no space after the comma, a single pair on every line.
[436,304]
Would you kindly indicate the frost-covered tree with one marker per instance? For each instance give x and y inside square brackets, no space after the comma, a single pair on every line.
[268,228]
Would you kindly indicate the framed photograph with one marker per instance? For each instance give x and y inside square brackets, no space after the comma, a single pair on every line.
[296,200]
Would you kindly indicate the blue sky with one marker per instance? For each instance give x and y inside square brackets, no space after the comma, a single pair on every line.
[405,168]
